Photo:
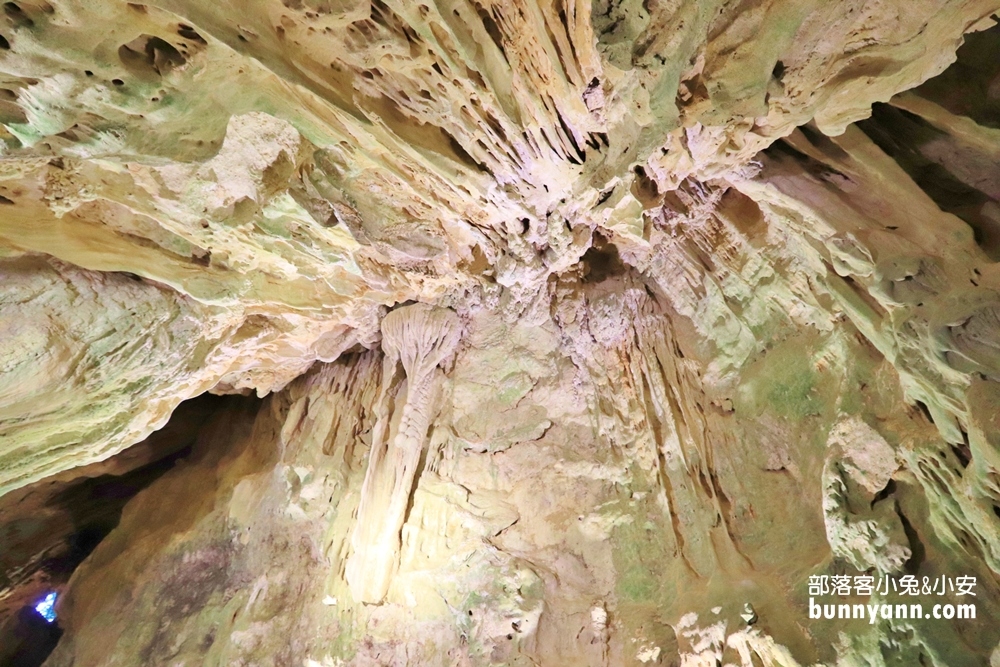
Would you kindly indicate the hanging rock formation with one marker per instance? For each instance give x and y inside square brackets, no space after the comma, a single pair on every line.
[422,338]
[580,333]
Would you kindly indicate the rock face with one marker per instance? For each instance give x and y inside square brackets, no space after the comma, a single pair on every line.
[590,333]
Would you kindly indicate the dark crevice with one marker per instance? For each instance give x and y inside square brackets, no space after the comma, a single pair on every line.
[148,56]
[889,489]
[645,188]
[779,70]
[963,453]
[917,550]
[580,154]
[382,15]
[604,196]
[48,528]
[959,179]
[925,411]
[563,63]
[27,639]
[971,85]
[810,164]
[556,146]
[187,32]
[492,29]
[17,16]
[827,146]
[569,35]
[463,155]
[726,515]
[862,293]
[663,466]
[602,262]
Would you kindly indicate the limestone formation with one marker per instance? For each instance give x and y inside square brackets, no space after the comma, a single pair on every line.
[422,338]
[532,332]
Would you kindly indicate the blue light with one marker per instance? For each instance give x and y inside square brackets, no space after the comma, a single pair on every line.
[47,607]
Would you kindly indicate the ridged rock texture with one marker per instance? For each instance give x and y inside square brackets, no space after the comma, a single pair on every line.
[541,332]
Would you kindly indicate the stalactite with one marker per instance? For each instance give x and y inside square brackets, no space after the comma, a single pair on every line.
[423,339]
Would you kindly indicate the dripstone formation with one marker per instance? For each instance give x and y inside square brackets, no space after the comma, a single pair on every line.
[523,332]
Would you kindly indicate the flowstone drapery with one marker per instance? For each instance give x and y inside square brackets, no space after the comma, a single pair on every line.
[423,339]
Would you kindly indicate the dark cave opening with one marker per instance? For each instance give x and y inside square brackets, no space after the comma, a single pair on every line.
[27,638]
[961,176]
[959,179]
[971,85]
[49,528]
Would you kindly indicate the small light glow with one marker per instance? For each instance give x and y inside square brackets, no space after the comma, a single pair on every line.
[47,607]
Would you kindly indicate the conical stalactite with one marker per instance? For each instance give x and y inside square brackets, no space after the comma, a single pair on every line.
[421,338]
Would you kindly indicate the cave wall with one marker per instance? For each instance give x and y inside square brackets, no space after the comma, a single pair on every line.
[590,491]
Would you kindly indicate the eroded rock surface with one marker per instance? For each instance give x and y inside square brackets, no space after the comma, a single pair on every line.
[589,331]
